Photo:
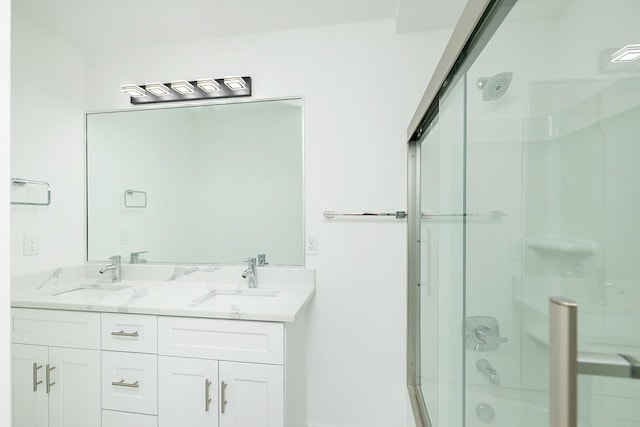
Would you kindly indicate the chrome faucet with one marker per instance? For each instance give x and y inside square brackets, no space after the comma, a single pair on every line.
[250,273]
[488,371]
[114,267]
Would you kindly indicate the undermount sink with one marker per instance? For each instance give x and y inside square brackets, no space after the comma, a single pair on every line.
[230,295]
[88,291]
[253,293]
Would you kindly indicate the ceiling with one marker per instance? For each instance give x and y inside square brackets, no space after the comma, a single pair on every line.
[111,24]
[99,25]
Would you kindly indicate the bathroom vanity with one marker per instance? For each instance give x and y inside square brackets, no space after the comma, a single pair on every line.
[161,354]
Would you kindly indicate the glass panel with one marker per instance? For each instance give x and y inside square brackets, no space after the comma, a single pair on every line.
[441,266]
[552,153]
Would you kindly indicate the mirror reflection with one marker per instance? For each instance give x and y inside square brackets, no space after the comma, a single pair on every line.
[198,184]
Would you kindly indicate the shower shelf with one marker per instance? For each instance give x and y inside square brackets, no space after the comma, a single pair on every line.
[563,245]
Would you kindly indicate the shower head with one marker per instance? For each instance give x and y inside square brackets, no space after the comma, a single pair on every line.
[494,87]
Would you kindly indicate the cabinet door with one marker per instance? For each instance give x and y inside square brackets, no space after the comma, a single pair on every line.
[30,402]
[74,397]
[187,395]
[254,395]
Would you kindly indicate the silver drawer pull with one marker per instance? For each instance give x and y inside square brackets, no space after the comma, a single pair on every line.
[207,398]
[223,397]
[121,383]
[36,383]
[48,375]
[122,333]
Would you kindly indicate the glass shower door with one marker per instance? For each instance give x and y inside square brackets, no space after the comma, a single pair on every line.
[442,155]
[530,189]
[552,201]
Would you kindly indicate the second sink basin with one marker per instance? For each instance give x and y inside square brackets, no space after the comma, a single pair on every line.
[253,293]
[220,295]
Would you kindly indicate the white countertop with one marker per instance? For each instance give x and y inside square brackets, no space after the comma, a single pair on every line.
[268,302]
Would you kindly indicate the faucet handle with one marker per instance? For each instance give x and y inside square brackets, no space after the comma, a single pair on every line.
[115,258]
[483,334]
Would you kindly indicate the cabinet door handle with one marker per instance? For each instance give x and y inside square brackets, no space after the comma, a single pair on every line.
[48,375]
[122,333]
[35,376]
[223,399]
[121,383]
[207,398]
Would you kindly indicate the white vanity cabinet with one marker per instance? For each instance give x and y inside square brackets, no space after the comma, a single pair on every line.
[132,370]
[237,379]
[208,393]
[55,368]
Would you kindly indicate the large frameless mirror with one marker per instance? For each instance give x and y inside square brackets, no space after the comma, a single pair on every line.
[197,184]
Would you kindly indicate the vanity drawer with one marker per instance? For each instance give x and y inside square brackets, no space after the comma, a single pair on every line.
[129,332]
[58,328]
[130,382]
[238,340]
[127,419]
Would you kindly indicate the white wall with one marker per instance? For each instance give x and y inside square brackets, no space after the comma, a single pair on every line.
[5,85]
[48,79]
[361,84]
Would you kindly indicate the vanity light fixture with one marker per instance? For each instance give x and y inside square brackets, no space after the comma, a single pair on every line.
[208,85]
[235,83]
[183,90]
[133,91]
[629,53]
[183,87]
[158,89]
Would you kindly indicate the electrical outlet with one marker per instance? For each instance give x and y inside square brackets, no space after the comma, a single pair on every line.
[311,245]
[30,245]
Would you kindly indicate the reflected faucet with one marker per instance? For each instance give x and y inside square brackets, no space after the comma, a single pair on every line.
[114,267]
[137,257]
[250,273]
[487,370]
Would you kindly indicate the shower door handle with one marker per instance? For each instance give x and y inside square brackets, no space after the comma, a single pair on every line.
[565,363]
